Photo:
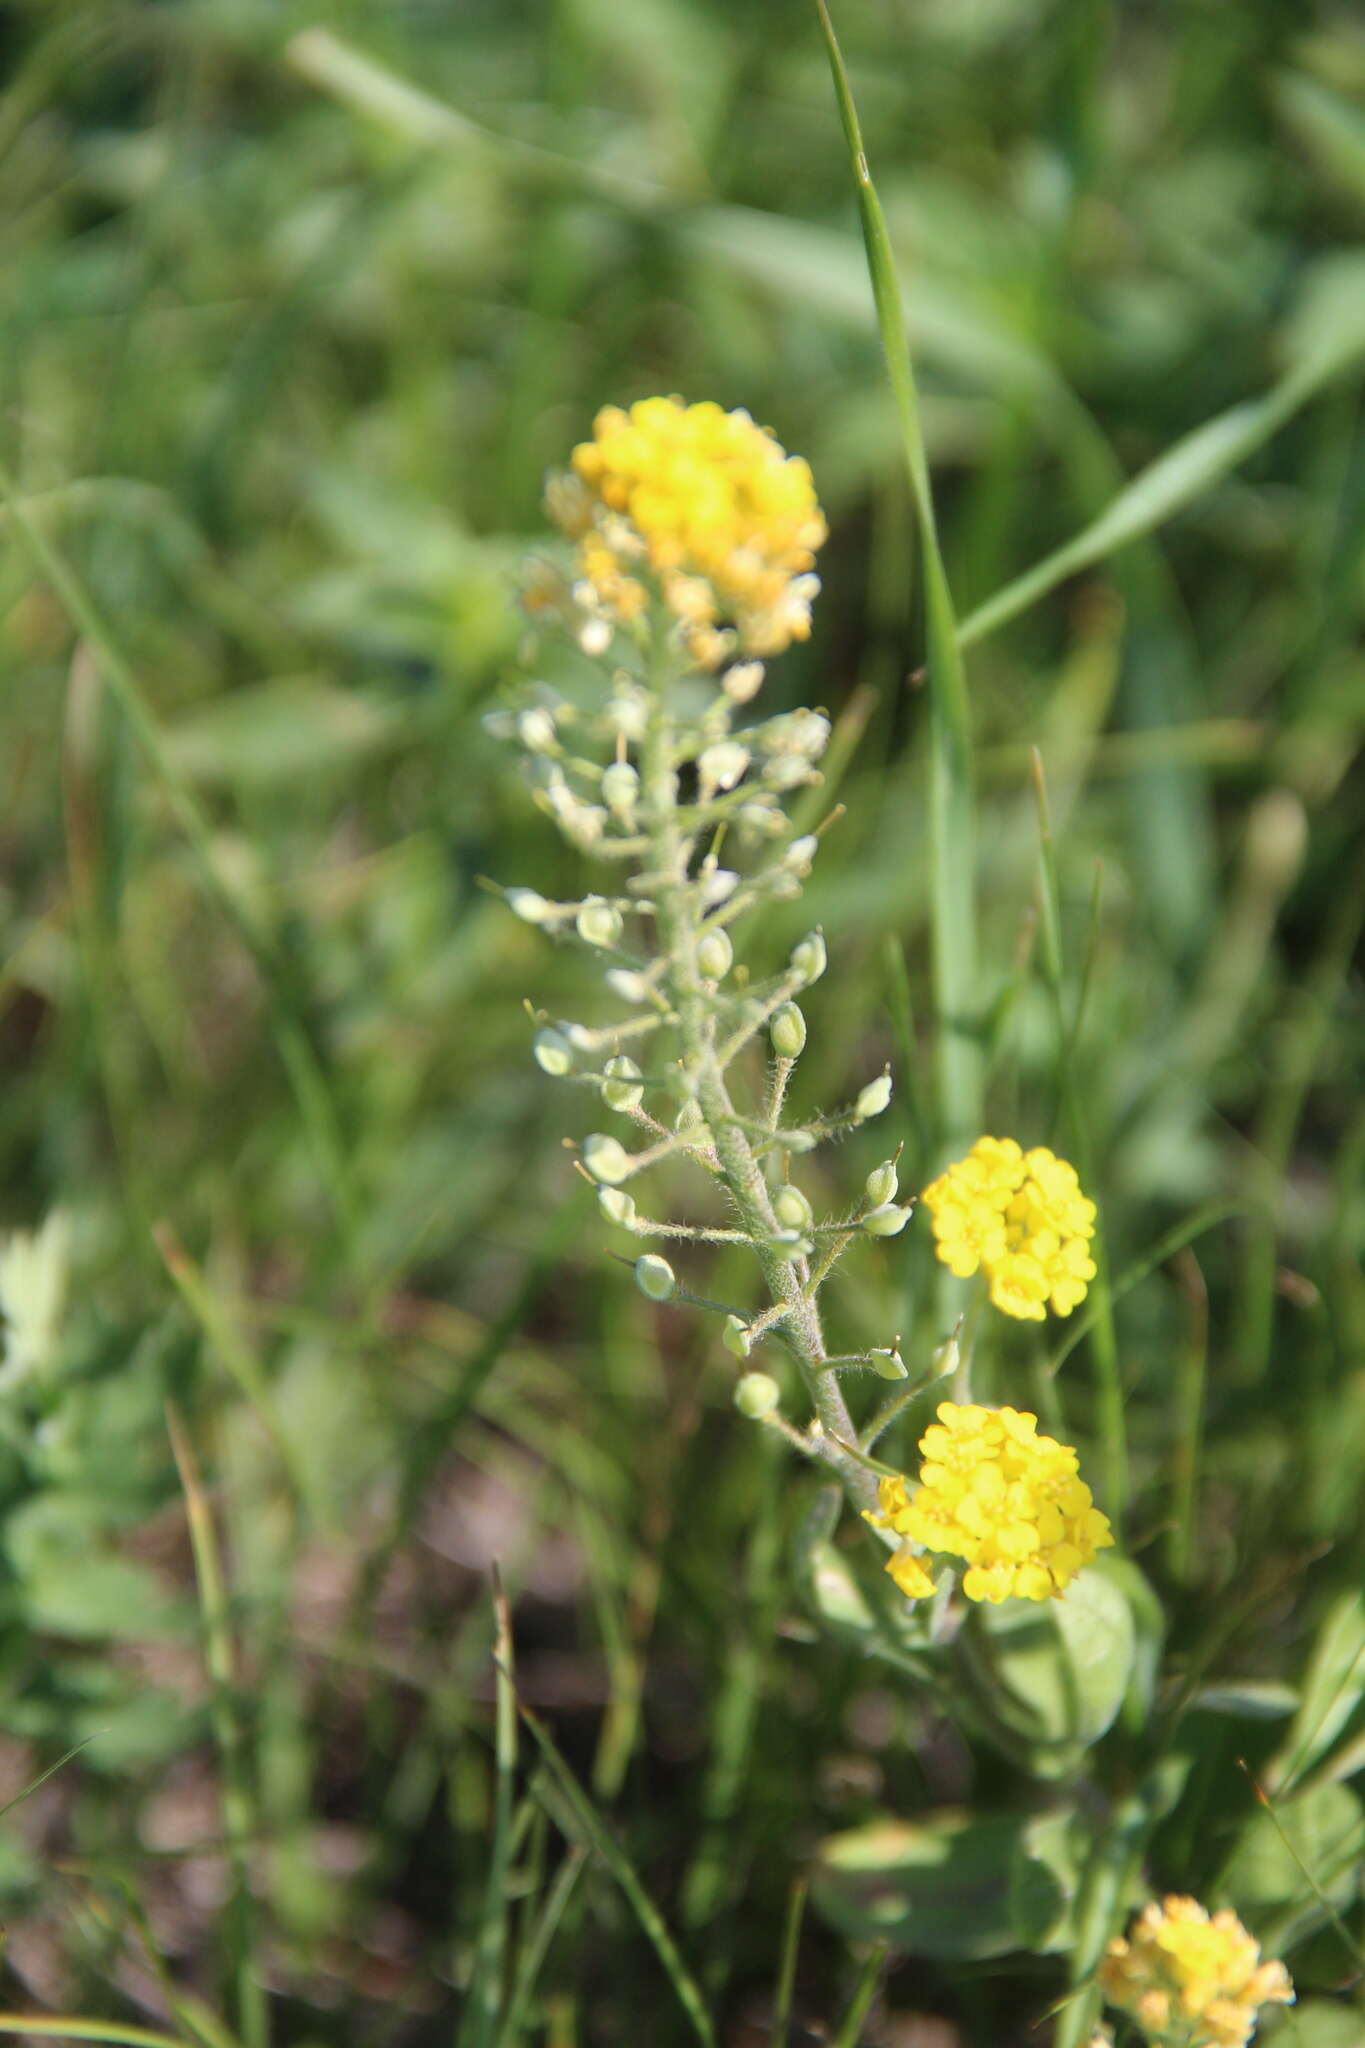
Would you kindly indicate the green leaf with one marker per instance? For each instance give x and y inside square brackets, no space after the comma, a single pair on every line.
[1333,1687]
[1249,1699]
[953,1887]
[1316,2024]
[1044,1680]
[1321,1832]
[279,730]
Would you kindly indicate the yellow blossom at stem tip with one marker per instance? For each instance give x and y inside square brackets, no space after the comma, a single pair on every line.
[702,507]
[1190,1981]
[995,1493]
[1019,1217]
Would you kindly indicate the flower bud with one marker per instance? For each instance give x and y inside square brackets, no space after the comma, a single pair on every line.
[799,1141]
[889,1365]
[606,1159]
[715,954]
[718,885]
[757,1395]
[743,681]
[888,1221]
[528,906]
[810,959]
[594,636]
[655,1277]
[553,1052]
[801,853]
[617,1206]
[626,983]
[735,1337]
[788,1032]
[599,922]
[721,766]
[874,1098]
[881,1184]
[620,788]
[622,1090]
[536,730]
[791,1208]
[628,715]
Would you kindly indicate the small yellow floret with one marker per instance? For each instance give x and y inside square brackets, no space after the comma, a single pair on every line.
[1019,1217]
[1191,1981]
[725,522]
[994,1492]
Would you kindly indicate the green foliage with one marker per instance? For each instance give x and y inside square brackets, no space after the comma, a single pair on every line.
[298,305]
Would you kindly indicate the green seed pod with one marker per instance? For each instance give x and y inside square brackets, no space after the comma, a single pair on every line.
[881,1184]
[553,1052]
[626,983]
[599,923]
[622,1090]
[620,788]
[536,730]
[810,959]
[715,954]
[606,1159]
[757,1395]
[874,1098]
[735,1337]
[788,1032]
[790,1245]
[888,1221]
[617,1206]
[889,1365]
[655,1277]
[690,1119]
[791,1208]
[530,907]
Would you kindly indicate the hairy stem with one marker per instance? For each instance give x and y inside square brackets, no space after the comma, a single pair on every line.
[676,913]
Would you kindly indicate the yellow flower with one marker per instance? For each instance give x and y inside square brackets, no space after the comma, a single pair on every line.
[706,504]
[1191,1981]
[993,1492]
[1021,1218]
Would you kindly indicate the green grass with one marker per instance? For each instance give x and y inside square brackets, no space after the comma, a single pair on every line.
[298,306]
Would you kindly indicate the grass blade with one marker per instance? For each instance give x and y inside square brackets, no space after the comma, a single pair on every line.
[239,1806]
[88,2030]
[292,1043]
[786,1969]
[485,1992]
[952,818]
[622,1870]
[850,2033]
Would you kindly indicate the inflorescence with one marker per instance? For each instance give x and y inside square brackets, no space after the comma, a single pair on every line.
[995,1493]
[1190,1981]
[1022,1219]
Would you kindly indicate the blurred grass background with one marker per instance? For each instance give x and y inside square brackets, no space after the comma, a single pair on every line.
[298,307]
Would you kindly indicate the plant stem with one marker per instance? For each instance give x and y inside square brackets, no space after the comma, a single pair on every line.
[740,1170]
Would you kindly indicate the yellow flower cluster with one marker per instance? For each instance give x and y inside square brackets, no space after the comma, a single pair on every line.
[1022,1218]
[725,521]
[992,1491]
[1190,1981]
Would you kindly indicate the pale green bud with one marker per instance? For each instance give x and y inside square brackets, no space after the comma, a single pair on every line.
[617,1206]
[715,954]
[757,1395]
[889,1365]
[717,886]
[735,1337]
[788,1032]
[553,1052]
[799,1141]
[628,715]
[622,1089]
[791,1208]
[721,766]
[787,771]
[801,853]
[888,1221]
[874,1098]
[620,788]
[655,1277]
[626,983]
[599,922]
[881,1183]
[536,730]
[743,681]
[606,1159]
[529,907]
[790,1245]
[810,959]
[689,1117]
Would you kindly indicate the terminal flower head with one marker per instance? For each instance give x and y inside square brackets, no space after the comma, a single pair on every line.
[994,1492]
[1190,1981]
[702,506]
[1021,1218]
